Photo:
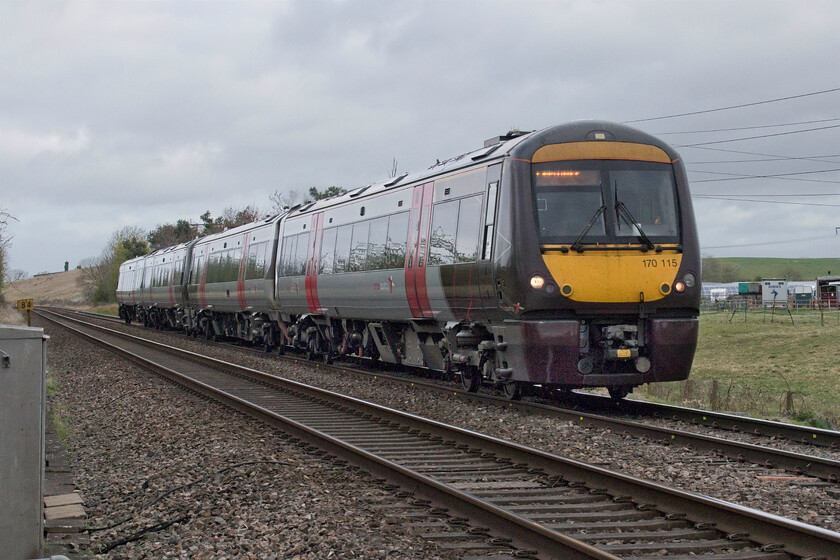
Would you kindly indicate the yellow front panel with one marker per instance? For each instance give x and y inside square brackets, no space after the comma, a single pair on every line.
[614,276]
[600,150]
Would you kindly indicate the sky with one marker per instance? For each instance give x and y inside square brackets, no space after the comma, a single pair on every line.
[119,113]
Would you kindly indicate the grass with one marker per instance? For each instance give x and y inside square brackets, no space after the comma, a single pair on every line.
[107,309]
[58,412]
[788,368]
[750,268]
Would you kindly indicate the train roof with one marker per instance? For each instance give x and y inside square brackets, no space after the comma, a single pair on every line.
[238,230]
[513,143]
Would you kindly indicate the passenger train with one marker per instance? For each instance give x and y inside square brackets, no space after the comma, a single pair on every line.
[556,259]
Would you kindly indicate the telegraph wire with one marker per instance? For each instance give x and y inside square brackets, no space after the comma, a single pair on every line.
[769,195]
[806,158]
[783,176]
[735,106]
[744,127]
[772,158]
[769,243]
[756,137]
[737,199]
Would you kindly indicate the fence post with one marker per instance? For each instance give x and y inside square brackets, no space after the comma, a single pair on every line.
[714,397]
[688,389]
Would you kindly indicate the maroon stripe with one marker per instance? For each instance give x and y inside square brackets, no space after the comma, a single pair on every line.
[411,257]
[240,279]
[420,277]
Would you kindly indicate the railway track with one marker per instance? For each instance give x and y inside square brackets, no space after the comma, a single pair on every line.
[605,418]
[553,506]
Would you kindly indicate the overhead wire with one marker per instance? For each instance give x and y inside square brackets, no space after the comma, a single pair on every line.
[788,176]
[806,158]
[744,127]
[772,158]
[756,137]
[735,106]
[739,199]
[784,242]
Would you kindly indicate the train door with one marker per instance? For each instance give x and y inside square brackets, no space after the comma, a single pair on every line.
[418,251]
[243,265]
[313,256]
[485,249]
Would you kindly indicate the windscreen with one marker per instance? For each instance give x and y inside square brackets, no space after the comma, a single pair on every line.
[608,201]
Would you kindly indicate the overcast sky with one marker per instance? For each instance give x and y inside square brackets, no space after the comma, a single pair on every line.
[122,113]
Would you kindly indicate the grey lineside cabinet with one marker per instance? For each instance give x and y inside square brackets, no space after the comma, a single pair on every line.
[23,361]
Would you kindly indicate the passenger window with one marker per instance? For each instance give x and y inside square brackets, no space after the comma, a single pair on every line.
[288,257]
[376,247]
[444,229]
[300,254]
[325,265]
[342,248]
[397,241]
[469,224]
[358,248]
[489,220]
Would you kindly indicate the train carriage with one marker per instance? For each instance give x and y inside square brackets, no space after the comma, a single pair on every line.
[566,257]
[150,288]
[128,288]
[230,285]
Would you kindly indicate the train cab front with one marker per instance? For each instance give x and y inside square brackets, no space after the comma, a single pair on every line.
[609,266]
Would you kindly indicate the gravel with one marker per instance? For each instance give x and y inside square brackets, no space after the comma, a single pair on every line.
[126,439]
[207,481]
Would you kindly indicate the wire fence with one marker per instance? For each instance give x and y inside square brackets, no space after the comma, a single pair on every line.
[745,311]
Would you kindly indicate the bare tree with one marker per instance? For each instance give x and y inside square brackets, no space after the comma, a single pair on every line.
[5,243]
[99,275]
[282,201]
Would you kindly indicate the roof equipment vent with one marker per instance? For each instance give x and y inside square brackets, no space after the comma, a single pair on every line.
[511,134]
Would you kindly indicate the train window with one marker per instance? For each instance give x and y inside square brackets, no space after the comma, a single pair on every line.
[397,240]
[287,255]
[342,248]
[255,267]
[232,259]
[649,196]
[326,262]
[358,247]
[301,253]
[489,220]
[469,224]
[377,257]
[444,229]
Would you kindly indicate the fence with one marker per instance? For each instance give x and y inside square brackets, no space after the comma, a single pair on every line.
[745,310]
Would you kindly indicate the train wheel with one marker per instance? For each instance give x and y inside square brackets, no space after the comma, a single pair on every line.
[281,348]
[619,392]
[513,390]
[470,379]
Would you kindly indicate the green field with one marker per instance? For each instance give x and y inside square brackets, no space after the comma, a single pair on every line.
[750,366]
[745,269]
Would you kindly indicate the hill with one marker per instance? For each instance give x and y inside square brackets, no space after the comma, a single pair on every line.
[59,288]
[732,269]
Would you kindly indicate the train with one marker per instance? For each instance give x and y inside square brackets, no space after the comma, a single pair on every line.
[555,259]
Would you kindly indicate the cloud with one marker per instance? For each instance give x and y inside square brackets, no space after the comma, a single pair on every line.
[17,145]
[137,113]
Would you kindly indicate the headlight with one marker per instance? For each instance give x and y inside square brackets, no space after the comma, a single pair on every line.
[689,280]
[537,282]
[679,287]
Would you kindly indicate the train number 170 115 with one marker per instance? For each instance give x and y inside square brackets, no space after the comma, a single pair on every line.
[656,263]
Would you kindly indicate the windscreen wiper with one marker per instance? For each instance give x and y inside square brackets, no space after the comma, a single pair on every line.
[621,208]
[577,244]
